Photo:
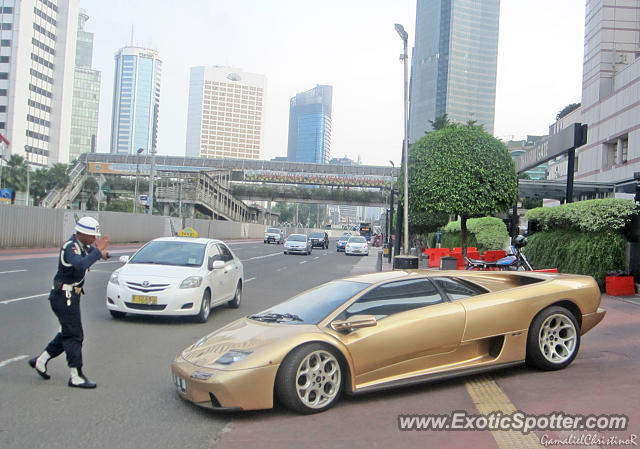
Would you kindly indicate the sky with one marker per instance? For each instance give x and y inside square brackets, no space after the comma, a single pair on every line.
[348,44]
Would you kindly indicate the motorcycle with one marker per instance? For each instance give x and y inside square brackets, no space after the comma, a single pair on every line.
[515,260]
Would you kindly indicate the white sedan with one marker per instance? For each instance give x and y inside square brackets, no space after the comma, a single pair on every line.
[356,245]
[176,276]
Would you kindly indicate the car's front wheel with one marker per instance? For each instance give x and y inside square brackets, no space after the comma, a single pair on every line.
[237,298]
[553,340]
[310,379]
[205,307]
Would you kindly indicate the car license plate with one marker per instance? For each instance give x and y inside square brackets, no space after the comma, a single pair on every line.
[141,299]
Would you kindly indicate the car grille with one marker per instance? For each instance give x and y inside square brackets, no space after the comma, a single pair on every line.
[151,288]
[131,305]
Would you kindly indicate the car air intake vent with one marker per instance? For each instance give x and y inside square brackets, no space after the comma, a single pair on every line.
[148,288]
[131,305]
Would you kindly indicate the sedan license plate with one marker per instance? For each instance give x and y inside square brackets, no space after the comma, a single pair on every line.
[142,299]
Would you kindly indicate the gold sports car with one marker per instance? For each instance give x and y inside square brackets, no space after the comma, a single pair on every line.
[385,330]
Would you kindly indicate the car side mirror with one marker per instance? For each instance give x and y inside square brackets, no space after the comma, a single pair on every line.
[355,322]
[124,259]
[215,264]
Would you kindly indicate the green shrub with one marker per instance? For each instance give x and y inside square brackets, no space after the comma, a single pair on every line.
[485,233]
[609,214]
[590,253]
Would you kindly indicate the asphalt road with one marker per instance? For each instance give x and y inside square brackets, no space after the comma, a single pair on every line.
[135,404]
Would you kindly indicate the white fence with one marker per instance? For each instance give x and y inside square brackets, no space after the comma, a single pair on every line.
[38,227]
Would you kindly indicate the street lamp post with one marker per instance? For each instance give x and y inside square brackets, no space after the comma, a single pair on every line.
[405,37]
[135,194]
[26,164]
[151,179]
[390,224]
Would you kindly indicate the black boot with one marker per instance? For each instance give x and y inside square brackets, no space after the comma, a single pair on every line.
[79,380]
[34,364]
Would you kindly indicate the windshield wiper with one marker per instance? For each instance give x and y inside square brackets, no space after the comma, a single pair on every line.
[274,317]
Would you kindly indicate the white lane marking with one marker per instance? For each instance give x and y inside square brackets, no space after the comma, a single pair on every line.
[262,257]
[280,269]
[249,280]
[304,261]
[317,257]
[15,359]
[24,297]
[12,271]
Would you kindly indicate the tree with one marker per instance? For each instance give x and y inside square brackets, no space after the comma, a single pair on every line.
[441,122]
[58,176]
[16,174]
[567,109]
[461,170]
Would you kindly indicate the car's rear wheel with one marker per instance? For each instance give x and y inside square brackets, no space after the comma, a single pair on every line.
[553,340]
[237,298]
[310,379]
[117,315]
[205,307]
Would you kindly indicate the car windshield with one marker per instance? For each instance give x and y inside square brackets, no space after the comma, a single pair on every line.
[273,230]
[185,254]
[316,235]
[357,240]
[297,238]
[312,306]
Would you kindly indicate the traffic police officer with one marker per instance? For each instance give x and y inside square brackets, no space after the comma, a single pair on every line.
[81,251]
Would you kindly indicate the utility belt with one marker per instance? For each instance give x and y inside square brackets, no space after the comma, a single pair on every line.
[68,289]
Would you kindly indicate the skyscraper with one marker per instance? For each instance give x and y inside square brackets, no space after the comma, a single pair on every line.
[37,54]
[225,116]
[86,95]
[310,126]
[136,100]
[454,63]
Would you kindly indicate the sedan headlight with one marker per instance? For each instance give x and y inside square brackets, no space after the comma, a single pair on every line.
[232,356]
[191,282]
[114,278]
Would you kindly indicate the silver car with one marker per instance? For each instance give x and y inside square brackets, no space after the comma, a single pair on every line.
[273,235]
[357,245]
[298,243]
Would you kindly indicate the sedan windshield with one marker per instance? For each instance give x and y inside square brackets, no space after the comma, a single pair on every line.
[297,238]
[273,231]
[316,235]
[185,254]
[312,306]
[357,240]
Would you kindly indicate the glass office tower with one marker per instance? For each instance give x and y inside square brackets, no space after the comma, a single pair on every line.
[310,126]
[86,95]
[136,100]
[454,63]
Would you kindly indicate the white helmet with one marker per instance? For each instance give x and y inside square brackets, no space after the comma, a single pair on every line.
[88,226]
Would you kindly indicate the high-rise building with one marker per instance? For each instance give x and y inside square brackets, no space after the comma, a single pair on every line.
[454,63]
[310,126]
[37,56]
[136,100]
[86,95]
[225,116]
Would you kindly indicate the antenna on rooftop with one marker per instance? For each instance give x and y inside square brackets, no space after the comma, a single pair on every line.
[132,35]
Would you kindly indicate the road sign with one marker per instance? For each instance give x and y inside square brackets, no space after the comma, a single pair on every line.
[100,196]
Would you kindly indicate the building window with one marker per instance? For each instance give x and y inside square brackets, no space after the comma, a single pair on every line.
[5,26]
[625,151]
[2,125]
[44,31]
[4,76]
[42,46]
[3,108]
[42,61]
[50,5]
[5,43]
[608,154]
[42,107]
[6,10]
[3,92]
[4,58]
[46,17]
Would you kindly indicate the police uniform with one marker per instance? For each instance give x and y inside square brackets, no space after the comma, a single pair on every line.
[75,259]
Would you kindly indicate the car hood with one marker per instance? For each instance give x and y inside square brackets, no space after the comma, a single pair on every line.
[245,334]
[357,245]
[295,244]
[150,271]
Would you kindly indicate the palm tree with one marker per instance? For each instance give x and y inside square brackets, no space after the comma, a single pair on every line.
[440,122]
[16,173]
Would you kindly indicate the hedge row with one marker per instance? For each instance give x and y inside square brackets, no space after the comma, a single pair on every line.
[610,214]
[484,233]
[590,253]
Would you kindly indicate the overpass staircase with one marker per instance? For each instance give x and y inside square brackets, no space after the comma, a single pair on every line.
[62,198]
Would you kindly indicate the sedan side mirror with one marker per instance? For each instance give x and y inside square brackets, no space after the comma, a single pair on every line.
[124,259]
[215,264]
[355,322]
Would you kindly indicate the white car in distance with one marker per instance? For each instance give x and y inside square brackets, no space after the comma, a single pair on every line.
[356,245]
[176,276]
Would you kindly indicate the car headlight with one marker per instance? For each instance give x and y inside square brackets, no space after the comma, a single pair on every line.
[114,278]
[191,282]
[232,356]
